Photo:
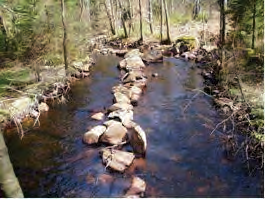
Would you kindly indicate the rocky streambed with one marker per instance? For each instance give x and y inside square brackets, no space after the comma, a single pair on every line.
[100,144]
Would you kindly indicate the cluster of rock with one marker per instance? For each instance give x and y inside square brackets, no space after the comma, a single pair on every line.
[119,128]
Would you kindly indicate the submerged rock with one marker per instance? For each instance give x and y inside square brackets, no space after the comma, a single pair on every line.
[115,133]
[116,159]
[137,188]
[92,136]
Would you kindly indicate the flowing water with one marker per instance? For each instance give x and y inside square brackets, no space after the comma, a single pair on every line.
[183,159]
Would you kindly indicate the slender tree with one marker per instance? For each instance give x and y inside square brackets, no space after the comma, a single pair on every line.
[161,20]
[254,25]
[167,22]
[131,25]
[64,37]
[141,21]
[112,24]
[8,180]
[150,17]
[123,20]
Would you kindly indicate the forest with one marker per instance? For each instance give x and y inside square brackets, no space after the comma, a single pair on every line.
[195,66]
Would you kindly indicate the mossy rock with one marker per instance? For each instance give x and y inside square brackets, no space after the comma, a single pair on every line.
[190,41]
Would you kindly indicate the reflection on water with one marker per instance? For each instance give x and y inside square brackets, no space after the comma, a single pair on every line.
[182,160]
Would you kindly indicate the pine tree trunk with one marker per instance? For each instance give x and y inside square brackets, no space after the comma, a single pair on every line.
[150,17]
[64,38]
[8,180]
[141,21]
[167,22]
[161,21]
[123,21]
[254,25]
[81,2]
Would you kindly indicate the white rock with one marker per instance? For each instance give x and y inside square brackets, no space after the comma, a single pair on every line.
[98,116]
[92,136]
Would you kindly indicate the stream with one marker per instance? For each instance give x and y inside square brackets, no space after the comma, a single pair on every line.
[182,160]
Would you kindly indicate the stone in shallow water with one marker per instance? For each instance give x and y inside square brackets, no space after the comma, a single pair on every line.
[121,89]
[98,116]
[121,98]
[137,138]
[115,133]
[122,106]
[123,115]
[137,188]
[116,159]
[92,136]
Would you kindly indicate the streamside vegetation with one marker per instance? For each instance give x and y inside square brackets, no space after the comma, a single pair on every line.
[46,44]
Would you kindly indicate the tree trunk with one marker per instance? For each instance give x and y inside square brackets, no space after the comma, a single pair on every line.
[110,19]
[8,180]
[64,38]
[131,24]
[222,22]
[81,4]
[167,22]
[254,25]
[150,17]
[161,21]
[141,21]
[123,20]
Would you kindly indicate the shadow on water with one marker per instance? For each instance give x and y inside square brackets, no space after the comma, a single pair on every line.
[183,159]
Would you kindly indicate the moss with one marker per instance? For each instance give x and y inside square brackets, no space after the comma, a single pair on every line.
[190,41]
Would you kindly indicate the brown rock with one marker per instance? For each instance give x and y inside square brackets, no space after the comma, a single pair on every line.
[116,159]
[115,133]
[92,136]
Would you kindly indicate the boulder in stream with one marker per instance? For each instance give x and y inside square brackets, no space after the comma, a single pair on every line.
[98,116]
[116,159]
[115,134]
[137,188]
[125,116]
[92,136]
[121,89]
[121,98]
[137,139]
[120,106]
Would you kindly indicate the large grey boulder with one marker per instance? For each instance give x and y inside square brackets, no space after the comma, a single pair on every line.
[92,136]
[115,134]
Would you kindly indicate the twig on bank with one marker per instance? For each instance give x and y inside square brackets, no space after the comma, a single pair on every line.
[225,120]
